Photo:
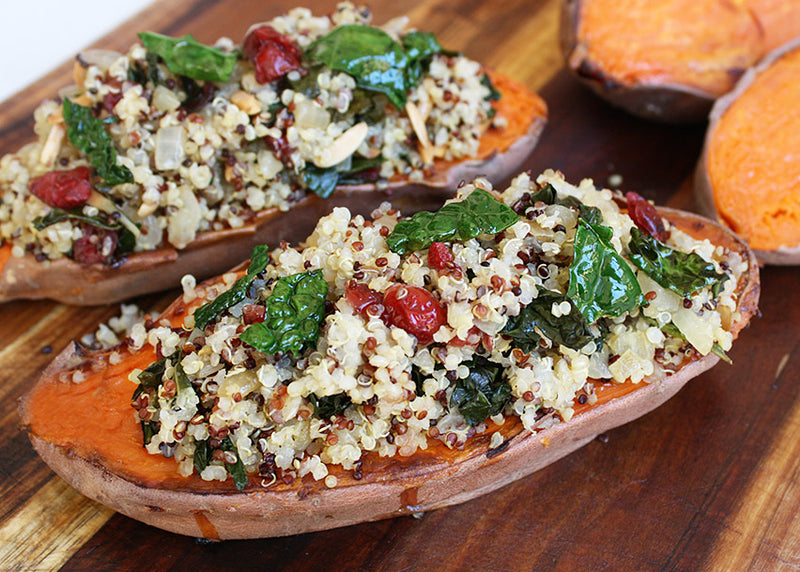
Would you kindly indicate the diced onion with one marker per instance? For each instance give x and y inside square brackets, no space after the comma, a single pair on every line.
[169,153]
[100,58]
[164,99]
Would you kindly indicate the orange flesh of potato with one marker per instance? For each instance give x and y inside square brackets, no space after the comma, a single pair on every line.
[694,43]
[754,158]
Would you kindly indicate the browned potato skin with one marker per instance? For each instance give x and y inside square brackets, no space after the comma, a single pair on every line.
[427,480]
[703,189]
[67,281]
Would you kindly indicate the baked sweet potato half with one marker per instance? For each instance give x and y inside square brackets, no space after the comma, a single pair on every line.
[747,176]
[670,60]
[393,366]
[179,157]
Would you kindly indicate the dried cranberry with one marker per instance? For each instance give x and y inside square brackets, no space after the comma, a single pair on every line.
[415,310]
[253,313]
[273,54]
[439,256]
[96,246]
[110,101]
[645,216]
[280,147]
[63,189]
[365,301]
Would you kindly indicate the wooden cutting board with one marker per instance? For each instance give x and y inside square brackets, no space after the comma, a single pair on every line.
[707,481]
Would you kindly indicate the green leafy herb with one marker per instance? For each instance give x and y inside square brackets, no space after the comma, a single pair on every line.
[600,281]
[494,94]
[294,311]
[683,273]
[592,215]
[126,241]
[321,181]
[88,133]
[187,57]
[480,213]
[549,196]
[329,405]
[149,430]
[571,330]
[151,377]
[375,60]
[671,329]
[717,350]
[236,470]
[210,310]
[57,215]
[419,47]
[202,455]
[419,380]
[482,393]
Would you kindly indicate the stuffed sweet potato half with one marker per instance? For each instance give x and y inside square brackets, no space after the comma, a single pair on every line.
[670,60]
[748,176]
[179,157]
[396,365]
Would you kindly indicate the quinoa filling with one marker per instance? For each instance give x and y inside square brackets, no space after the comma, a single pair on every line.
[378,336]
[175,138]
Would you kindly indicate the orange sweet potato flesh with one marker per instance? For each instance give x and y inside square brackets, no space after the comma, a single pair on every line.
[670,59]
[500,154]
[87,432]
[751,164]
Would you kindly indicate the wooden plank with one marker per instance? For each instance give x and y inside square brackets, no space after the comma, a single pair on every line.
[48,529]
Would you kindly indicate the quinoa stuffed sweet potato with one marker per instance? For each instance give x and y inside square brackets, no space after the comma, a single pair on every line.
[391,366]
[670,60]
[748,176]
[180,157]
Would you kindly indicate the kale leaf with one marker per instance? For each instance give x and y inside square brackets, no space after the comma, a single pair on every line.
[600,281]
[479,213]
[87,133]
[294,312]
[236,470]
[420,47]
[370,55]
[482,393]
[549,196]
[126,241]
[185,56]
[683,273]
[571,330]
[327,406]
[210,310]
[375,60]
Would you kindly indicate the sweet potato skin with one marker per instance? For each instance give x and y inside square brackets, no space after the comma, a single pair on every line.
[671,65]
[212,253]
[703,185]
[428,480]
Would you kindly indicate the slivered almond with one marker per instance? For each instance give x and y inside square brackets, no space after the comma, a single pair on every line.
[78,73]
[247,102]
[418,124]
[343,146]
[52,145]
[103,203]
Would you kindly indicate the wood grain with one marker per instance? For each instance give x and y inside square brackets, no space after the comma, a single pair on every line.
[707,481]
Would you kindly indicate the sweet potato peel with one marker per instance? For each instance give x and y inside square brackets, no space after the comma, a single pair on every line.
[88,434]
[501,153]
